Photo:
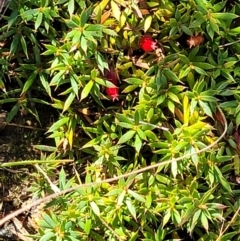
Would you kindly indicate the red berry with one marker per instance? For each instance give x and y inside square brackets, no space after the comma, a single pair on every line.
[111,75]
[147,43]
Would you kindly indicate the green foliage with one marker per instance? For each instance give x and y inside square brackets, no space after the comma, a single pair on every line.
[55,53]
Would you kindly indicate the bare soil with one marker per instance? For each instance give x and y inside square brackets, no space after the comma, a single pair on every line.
[17,141]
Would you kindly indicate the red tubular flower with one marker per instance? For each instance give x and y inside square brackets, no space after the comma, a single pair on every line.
[111,75]
[147,43]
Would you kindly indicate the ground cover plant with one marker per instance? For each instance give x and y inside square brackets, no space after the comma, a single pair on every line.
[131,84]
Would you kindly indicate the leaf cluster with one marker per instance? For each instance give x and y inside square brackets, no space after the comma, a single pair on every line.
[55,53]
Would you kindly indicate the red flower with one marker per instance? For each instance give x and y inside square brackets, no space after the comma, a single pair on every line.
[147,43]
[111,75]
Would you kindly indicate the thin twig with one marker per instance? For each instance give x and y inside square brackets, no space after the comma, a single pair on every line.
[152,125]
[113,232]
[113,179]
[231,221]
[228,44]
[24,126]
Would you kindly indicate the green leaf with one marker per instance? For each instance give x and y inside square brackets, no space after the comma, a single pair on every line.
[134,236]
[134,81]
[102,64]
[110,32]
[205,108]
[149,199]
[173,31]
[168,136]
[199,86]
[124,118]
[15,43]
[193,53]
[126,137]
[138,143]
[62,179]
[58,124]
[214,25]
[184,59]
[129,88]
[86,90]
[176,218]
[38,20]
[125,125]
[121,198]
[74,84]
[200,71]
[151,136]
[194,157]
[115,10]
[210,31]
[178,15]
[203,65]
[228,236]
[204,221]
[219,6]
[201,7]
[171,75]
[186,30]
[238,119]
[136,196]
[47,236]
[45,84]
[71,4]
[2,86]
[95,208]
[85,15]
[45,148]
[58,77]
[221,179]
[48,221]
[69,101]
[173,97]
[184,72]
[208,96]
[224,16]
[174,168]
[12,113]
[197,22]
[234,31]
[88,226]
[190,211]
[24,46]
[195,219]
[104,82]
[131,208]
[29,82]
[229,64]
[171,106]
[96,236]
[137,118]
[166,218]
[83,41]
[147,23]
